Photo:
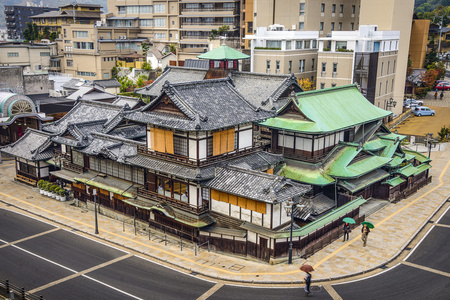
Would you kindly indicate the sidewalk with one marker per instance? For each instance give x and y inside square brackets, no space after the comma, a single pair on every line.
[395,226]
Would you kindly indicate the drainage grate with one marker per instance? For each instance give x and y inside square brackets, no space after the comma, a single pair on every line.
[431,222]
[409,248]
[194,273]
[383,267]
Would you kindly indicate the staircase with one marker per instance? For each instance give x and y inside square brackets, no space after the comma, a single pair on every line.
[372,205]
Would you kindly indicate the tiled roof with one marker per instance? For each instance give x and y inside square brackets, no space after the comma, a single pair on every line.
[82,112]
[74,83]
[262,90]
[130,101]
[80,132]
[34,145]
[256,185]
[107,83]
[196,63]
[207,105]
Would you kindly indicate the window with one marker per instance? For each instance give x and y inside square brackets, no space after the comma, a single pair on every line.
[83,45]
[13,54]
[386,87]
[341,8]
[341,45]
[324,67]
[45,53]
[68,55]
[273,44]
[312,64]
[68,48]
[301,65]
[353,9]
[228,20]
[180,145]
[67,42]
[146,9]
[160,22]
[302,9]
[321,26]
[322,86]
[65,33]
[146,22]
[389,64]
[69,63]
[379,91]
[352,26]
[382,65]
[160,35]
[105,75]
[290,66]
[159,8]
[298,44]
[333,84]
[38,67]
[79,73]
[278,65]
[307,44]
[322,7]
[314,44]
[333,8]
[393,67]
[340,26]
[301,25]
[173,22]
[288,45]
[205,194]
[392,85]
[80,34]
[335,67]
[267,66]
[332,25]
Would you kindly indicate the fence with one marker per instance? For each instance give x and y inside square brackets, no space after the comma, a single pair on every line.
[9,289]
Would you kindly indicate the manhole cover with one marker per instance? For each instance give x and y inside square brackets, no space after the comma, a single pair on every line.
[315,289]
[31,197]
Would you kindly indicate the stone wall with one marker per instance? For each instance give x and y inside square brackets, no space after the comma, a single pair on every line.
[12,78]
[36,84]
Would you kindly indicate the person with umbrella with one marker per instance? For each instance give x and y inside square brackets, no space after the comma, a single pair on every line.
[365,231]
[307,269]
[346,228]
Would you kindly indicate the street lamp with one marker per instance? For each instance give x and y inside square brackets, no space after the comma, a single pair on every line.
[428,142]
[94,192]
[289,207]
[390,103]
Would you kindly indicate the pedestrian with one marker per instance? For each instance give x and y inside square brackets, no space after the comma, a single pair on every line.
[442,94]
[435,94]
[364,233]
[308,283]
[346,231]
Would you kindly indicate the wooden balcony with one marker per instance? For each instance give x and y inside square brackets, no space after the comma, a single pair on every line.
[72,167]
[57,152]
[189,162]
[173,202]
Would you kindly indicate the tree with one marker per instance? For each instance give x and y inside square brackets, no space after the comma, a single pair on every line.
[46,32]
[222,30]
[53,36]
[35,32]
[305,84]
[145,48]
[173,48]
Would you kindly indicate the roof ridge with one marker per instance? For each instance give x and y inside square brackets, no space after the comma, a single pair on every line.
[115,138]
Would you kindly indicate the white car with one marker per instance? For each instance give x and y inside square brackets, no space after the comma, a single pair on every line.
[409,103]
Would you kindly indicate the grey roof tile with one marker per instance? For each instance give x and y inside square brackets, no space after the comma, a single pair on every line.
[34,145]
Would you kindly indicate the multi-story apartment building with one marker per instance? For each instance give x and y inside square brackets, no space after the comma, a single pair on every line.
[18,16]
[91,52]
[67,14]
[188,24]
[33,58]
[278,51]
[367,57]
[392,15]
[309,15]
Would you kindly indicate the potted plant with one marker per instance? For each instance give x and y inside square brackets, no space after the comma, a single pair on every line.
[62,194]
[40,185]
[58,197]
[46,186]
[53,188]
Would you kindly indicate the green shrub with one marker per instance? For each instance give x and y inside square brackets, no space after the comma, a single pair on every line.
[40,184]
[61,192]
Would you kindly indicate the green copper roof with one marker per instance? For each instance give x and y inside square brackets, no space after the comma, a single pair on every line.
[223,52]
[419,156]
[315,176]
[396,161]
[327,110]
[357,184]
[421,168]
[394,181]
[407,170]
[104,186]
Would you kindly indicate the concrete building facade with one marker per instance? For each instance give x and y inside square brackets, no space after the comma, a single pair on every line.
[418,43]
[34,58]
[367,57]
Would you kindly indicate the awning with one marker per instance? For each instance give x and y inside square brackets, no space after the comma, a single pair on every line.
[355,185]
[395,181]
[406,171]
[65,174]
[109,183]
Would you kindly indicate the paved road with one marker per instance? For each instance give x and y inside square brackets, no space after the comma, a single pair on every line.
[59,264]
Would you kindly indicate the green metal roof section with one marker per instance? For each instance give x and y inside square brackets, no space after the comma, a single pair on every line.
[357,184]
[104,186]
[328,110]
[396,161]
[406,171]
[409,156]
[418,156]
[422,168]
[223,52]
[375,144]
[315,176]
[334,215]
[395,181]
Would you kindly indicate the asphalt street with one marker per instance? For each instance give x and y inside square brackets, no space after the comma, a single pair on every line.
[60,264]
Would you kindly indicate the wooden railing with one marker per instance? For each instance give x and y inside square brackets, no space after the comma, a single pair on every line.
[186,161]
[57,152]
[173,202]
[26,180]
[72,167]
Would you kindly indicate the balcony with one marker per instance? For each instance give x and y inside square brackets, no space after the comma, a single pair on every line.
[173,202]
[186,161]
[72,167]
[194,37]
[10,18]
[11,25]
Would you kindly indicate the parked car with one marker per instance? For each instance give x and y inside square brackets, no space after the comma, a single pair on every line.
[423,111]
[439,81]
[443,85]
[412,102]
